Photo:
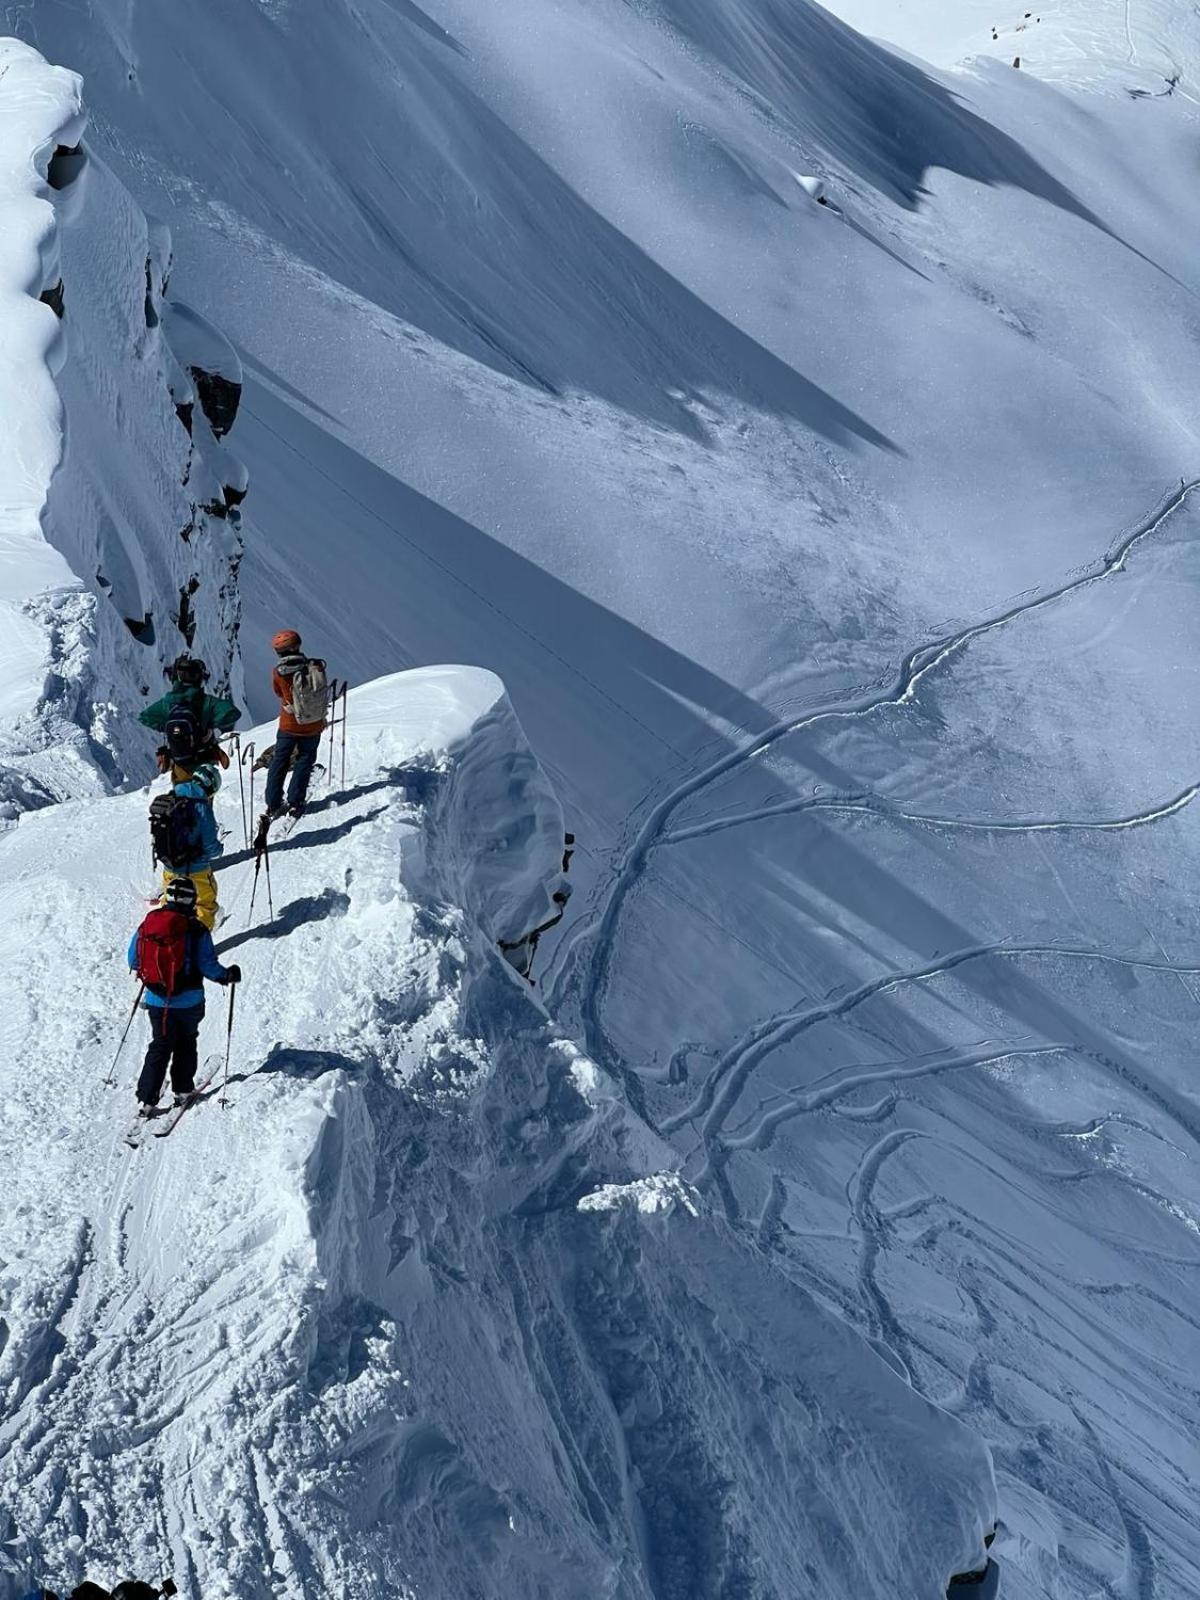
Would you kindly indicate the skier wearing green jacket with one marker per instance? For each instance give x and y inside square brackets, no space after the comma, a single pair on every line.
[187,702]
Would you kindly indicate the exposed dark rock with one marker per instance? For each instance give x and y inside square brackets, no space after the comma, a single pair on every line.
[184,413]
[219,399]
[66,165]
[186,618]
[54,298]
[151,308]
[142,631]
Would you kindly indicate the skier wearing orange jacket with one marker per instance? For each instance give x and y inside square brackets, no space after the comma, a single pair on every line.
[302,690]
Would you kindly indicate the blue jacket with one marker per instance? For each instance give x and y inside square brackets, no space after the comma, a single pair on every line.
[202,785]
[202,963]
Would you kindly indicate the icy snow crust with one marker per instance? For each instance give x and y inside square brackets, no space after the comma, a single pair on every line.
[384,1326]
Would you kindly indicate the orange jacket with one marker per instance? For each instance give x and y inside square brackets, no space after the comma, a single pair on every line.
[287,720]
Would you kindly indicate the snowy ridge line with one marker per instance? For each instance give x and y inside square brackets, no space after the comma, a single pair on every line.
[871,805]
[724,1084]
[914,666]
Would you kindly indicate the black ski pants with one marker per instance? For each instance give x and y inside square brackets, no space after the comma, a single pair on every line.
[173,1036]
[299,751]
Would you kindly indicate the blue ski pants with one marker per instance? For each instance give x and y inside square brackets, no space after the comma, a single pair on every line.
[304,747]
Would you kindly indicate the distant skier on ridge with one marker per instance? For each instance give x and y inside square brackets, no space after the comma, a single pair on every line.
[172,953]
[302,690]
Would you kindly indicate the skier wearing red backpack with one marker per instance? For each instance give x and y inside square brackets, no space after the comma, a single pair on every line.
[172,953]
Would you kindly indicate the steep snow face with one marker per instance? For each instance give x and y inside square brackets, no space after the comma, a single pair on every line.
[840,560]
[422,1311]
[120,544]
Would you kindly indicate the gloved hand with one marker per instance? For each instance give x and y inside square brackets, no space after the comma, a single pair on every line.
[163,758]
[232,974]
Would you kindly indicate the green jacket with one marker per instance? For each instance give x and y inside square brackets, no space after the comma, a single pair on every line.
[219,715]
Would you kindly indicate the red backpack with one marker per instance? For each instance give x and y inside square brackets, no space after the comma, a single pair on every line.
[162,950]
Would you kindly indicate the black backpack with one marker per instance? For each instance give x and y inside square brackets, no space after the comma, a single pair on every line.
[184,736]
[175,830]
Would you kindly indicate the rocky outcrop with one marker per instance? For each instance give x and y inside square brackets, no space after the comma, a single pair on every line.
[147,392]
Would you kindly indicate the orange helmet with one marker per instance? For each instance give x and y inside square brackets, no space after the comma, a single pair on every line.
[286,639]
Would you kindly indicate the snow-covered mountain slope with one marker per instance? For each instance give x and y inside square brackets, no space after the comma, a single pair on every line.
[840,559]
[422,1311]
[117,499]
[1116,46]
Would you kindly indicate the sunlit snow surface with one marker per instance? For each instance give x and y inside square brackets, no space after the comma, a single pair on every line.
[840,561]
[422,1311]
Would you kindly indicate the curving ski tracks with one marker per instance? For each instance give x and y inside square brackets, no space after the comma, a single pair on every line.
[597,945]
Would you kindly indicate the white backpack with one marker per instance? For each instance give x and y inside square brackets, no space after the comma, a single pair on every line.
[310,693]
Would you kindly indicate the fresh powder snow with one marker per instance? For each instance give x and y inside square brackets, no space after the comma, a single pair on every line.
[794,408]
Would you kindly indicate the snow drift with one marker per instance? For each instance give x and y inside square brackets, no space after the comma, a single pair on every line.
[422,1312]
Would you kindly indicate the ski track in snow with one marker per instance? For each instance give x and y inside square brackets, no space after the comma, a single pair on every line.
[872,806]
[594,944]
[723,1086]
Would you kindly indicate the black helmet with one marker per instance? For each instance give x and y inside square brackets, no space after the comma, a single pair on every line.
[188,670]
[180,894]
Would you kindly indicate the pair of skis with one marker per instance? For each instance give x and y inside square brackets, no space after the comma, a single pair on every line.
[163,1123]
[172,1117]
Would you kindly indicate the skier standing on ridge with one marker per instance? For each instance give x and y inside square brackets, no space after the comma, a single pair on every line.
[303,693]
[172,953]
[184,832]
[190,718]
[182,824]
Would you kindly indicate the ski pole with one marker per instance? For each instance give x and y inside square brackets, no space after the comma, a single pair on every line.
[267,863]
[333,696]
[345,686]
[111,1081]
[223,1102]
[242,788]
[254,890]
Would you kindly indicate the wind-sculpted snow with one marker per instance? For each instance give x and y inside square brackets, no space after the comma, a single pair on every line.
[114,521]
[423,1310]
[554,360]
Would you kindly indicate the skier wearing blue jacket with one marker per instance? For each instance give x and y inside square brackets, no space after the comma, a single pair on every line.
[173,953]
[204,848]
